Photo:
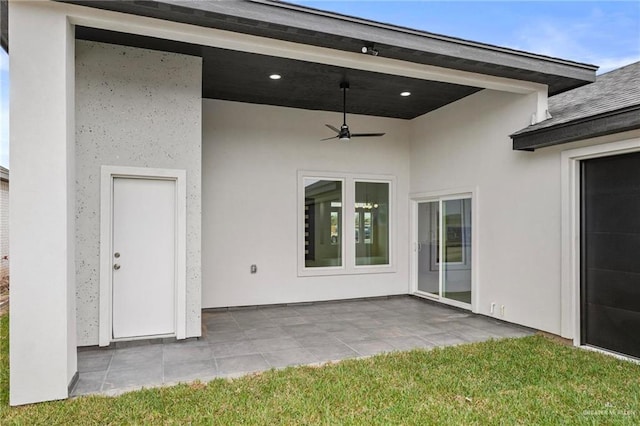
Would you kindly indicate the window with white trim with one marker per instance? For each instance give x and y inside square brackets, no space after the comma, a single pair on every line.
[345,223]
[372,223]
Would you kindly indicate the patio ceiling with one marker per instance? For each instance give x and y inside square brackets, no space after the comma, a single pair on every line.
[244,77]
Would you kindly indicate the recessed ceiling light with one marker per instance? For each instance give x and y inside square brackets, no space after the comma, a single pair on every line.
[275,76]
[405,94]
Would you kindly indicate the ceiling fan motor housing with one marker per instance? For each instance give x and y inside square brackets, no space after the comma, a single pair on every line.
[344,134]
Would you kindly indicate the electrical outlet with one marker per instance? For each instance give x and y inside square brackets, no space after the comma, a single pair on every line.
[501,310]
[254,269]
[493,308]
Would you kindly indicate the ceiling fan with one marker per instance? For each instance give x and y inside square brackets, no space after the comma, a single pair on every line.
[343,134]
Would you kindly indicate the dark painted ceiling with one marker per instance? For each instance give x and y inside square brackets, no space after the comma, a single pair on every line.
[244,77]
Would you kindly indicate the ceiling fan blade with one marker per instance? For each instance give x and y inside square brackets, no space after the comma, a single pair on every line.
[335,129]
[366,135]
[326,139]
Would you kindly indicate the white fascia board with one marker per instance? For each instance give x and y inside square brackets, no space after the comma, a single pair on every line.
[126,23]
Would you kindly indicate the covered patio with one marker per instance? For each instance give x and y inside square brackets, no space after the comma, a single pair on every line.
[245,340]
[186,140]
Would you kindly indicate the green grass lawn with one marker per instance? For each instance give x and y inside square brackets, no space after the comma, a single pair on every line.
[531,380]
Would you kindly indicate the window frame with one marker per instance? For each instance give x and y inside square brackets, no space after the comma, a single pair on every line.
[302,229]
[346,225]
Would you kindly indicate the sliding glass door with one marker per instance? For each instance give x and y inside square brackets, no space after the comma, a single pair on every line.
[429,247]
[444,250]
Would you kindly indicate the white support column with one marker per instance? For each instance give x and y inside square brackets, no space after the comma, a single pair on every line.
[43,349]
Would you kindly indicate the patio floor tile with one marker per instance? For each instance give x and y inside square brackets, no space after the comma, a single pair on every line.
[275,344]
[223,326]
[225,336]
[332,352]
[407,343]
[188,371]
[90,382]
[301,329]
[95,361]
[225,349]
[133,377]
[177,353]
[279,312]
[142,356]
[241,341]
[287,321]
[370,347]
[445,339]
[241,364]
[316,339]
[295,356]
[264,333]
[352,334]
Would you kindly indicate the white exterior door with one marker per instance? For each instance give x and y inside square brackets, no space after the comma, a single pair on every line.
[143,257]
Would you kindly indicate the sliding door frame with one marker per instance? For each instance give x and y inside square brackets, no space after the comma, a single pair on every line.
[441,196]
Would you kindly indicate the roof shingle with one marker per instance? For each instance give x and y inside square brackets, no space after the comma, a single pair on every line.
[615,90]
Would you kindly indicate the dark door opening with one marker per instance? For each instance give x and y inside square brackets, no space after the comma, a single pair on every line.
[610,253]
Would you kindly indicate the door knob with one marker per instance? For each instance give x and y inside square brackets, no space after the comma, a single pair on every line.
[116,266]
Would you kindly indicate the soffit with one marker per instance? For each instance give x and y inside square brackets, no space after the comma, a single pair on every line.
[244,77]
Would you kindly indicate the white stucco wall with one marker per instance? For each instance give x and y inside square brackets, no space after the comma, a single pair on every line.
[41,221]
[467,144]
[4,229]
[142,108]
[251,155]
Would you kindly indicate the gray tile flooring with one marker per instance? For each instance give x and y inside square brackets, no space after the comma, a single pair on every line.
[240,341]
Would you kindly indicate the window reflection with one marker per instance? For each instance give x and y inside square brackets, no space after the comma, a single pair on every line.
[322,218]
[372,223]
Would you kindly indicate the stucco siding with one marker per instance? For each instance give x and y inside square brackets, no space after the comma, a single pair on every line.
[466,144]
[138,108]
[251,156]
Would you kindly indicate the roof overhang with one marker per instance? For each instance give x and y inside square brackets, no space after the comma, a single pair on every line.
[242,42]
[608,123]
[293,23]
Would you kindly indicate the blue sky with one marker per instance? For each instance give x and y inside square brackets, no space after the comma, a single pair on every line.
[596,32]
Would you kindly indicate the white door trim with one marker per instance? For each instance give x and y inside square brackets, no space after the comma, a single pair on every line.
[443,195]
[108,173]
[570,186]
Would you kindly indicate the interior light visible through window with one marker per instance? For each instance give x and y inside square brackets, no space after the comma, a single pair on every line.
[405,94]
[275,76]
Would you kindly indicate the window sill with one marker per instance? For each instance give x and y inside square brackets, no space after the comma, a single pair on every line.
[353,270]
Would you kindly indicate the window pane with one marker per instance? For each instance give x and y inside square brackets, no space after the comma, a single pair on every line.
[372,223]
[429,247]
[456,234]
[322,222]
